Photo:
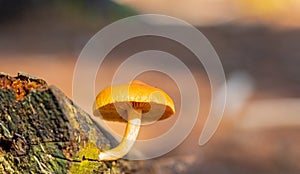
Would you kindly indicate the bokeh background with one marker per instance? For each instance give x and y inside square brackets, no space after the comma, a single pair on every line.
[258,43]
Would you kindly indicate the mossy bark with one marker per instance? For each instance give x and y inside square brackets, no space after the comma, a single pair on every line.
[45,132]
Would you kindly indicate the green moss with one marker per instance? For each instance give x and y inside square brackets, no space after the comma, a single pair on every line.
[86,155]
[88,151]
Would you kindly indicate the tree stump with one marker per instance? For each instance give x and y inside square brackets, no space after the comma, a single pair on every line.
[42,131]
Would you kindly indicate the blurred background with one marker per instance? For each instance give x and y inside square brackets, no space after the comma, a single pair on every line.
[258,43]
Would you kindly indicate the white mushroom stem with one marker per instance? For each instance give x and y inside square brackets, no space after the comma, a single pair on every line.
[131,132]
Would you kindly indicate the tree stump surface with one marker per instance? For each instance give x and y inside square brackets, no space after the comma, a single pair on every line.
[42,131]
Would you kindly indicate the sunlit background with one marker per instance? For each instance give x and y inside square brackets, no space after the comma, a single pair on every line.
[258,43]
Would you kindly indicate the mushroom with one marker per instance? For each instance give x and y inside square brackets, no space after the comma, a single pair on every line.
[133,103]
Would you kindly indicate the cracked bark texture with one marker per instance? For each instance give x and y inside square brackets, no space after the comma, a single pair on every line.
[42,131]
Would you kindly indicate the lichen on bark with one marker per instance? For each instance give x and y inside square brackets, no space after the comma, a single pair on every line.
[42,131]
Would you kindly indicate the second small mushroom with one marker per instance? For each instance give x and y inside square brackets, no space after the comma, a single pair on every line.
[133,103]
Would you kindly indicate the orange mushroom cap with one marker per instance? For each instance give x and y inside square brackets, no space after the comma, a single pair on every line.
[113,102]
